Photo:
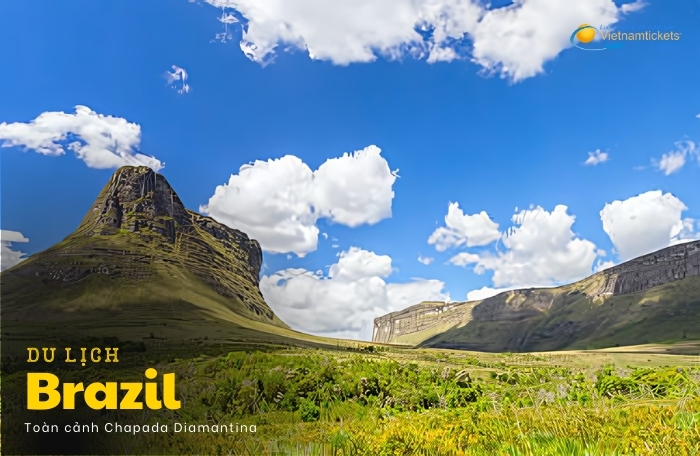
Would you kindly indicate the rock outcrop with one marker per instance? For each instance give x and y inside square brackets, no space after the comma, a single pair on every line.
[637,275]
[137,227]
[658,268]
[419,317]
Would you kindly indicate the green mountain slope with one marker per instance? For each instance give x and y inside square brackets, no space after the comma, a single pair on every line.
[651,299]
[141,266]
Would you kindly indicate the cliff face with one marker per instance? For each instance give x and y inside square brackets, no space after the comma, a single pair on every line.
[658,268]
[138,232]
[421,317]
[532,316]
[141,202]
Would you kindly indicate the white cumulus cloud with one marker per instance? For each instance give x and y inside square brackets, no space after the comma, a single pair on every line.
[100,141]
[461,229]
[178,79]
[540,250]
[645,223]
[8,256]
[674,160]
[425,260]
[513,41]
[603,265]
[356,264]
[278,202]
[344,302]
[596,157]
[354,189]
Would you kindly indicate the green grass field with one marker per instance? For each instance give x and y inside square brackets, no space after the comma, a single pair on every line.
[397,401]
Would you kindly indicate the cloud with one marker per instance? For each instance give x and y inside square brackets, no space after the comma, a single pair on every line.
[514,41]
[9,257]
[596,157]
[603,265]
[517,41]
[100,141]
[460,229]
[178,74]
[345,302]
[633,7]
[672,162]
[278,202]
[487,292]
[689,231]
[272,202]
[675,160]
[425,260]
[645,223]
[482,293]
[465,258]
[354,189]
[540,250]
[356,264]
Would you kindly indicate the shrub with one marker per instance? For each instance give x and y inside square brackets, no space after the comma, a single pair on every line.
[309,411]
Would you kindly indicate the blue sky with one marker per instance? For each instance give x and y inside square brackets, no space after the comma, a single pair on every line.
[493,110]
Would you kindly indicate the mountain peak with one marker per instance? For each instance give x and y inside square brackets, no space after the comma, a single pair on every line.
[136,199]
[138,236]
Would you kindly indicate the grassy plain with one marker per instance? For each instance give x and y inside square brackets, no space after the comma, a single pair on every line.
[383,400]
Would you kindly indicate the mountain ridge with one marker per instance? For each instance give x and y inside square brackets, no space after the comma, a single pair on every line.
[553,318]
[139,258]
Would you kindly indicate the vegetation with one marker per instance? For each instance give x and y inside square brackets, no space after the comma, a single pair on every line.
[380,405]
[414,402]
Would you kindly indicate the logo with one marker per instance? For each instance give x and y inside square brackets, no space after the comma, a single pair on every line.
[589,38]
[585,34]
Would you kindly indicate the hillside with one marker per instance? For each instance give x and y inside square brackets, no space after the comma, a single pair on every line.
[651,299]
[142,266]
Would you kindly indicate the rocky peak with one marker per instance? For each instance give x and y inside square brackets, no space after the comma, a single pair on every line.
[136,199]
[138,224]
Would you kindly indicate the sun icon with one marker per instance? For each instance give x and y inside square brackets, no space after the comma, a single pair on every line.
[586,33]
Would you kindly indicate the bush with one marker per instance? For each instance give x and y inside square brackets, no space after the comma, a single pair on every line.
[309,411]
